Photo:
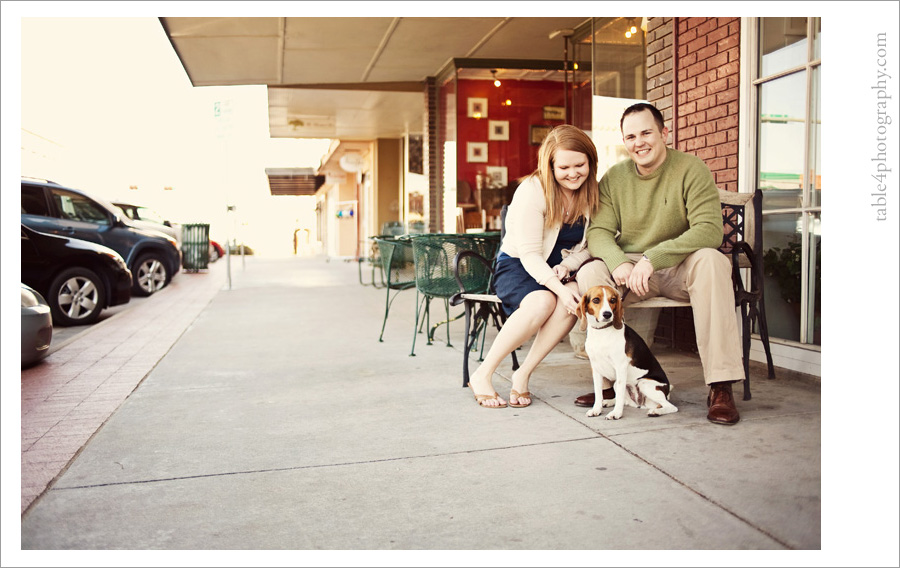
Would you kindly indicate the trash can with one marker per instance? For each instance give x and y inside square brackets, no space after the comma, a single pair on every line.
[195,246]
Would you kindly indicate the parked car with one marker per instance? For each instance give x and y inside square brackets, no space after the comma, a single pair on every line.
[153,257]
[147,218]
[78,278]
[37,326]
[215,251]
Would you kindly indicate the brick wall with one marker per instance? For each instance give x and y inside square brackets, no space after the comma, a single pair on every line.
[661,67]
[706,109]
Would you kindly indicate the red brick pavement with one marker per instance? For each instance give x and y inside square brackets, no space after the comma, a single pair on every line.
[69,395]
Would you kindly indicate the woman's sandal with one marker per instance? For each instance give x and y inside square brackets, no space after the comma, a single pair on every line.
[480,398]
[514,396]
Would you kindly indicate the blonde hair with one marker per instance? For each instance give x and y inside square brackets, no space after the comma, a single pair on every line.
[587,200]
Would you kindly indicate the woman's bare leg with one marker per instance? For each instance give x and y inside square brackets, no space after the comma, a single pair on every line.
[548,337]
[532,313]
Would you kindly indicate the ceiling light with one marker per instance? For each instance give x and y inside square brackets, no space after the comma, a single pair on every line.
[496,80]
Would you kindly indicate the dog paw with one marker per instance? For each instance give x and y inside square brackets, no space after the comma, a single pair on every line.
[613,416]
[592,412]
[661,411]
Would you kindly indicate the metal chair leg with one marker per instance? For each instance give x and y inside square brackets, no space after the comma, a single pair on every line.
[467,305]
[764,335]
[745,340]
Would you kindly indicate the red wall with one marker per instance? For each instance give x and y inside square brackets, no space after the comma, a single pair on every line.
[517,154]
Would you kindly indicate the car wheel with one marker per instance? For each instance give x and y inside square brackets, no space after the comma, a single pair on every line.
[213,253]
[150,274]
[76,297]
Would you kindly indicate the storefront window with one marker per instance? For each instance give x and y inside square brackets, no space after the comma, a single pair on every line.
[783,44]
[619,80]
[783,261]
[789,172]
[619,58]
[781,140]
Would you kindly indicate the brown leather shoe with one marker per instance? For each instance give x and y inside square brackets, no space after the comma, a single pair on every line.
[721,405]
[588,399]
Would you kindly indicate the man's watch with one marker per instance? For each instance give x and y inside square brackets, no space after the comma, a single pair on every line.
[644,257]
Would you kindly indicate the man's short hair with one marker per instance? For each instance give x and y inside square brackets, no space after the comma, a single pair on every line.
[641,107]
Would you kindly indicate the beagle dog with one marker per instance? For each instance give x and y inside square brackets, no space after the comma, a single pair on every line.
[616,350]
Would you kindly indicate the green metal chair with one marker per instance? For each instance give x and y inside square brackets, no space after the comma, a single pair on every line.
[398,266]
[434,255]
[373,258]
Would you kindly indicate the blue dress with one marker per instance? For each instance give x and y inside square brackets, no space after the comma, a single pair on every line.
[512,282]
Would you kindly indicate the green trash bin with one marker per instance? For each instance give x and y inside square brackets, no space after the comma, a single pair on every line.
[195,246]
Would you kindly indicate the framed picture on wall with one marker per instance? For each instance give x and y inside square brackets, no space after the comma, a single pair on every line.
[498,130]
[415,159]
[538,133]
[478,107]
[554,113]
[497,176]
[476,152]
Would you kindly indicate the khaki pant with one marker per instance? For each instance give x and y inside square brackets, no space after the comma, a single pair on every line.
[704,279]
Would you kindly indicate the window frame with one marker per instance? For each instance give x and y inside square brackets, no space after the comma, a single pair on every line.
[807,209]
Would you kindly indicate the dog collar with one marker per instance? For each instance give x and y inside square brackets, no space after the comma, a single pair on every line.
[603,327]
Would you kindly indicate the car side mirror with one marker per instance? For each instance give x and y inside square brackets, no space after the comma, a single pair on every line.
[167,223]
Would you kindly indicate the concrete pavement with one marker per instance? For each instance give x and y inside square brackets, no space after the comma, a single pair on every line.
[269,416]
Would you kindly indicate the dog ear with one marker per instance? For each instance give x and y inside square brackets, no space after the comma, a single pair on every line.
[619,312]
[581,310]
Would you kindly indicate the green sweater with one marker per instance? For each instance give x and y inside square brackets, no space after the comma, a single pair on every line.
[666,215]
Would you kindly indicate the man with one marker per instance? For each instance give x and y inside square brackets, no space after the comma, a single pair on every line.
[657,231]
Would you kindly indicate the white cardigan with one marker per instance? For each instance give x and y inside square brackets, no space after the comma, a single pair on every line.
[528,240]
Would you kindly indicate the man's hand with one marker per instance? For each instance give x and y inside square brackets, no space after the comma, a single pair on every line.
[638,279]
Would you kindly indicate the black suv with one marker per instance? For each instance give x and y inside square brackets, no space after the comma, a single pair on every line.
[152,257]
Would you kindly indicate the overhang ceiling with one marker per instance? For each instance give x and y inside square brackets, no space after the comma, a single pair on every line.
[350,78]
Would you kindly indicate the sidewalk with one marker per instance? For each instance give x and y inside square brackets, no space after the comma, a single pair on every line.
[67,397]
[269,416]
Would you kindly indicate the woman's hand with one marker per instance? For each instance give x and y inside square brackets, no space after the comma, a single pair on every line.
[621,273]
[570,298]
[560,271]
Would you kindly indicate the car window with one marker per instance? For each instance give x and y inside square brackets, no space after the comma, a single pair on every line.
[128,211]
[79,208]
[33,201]
[150,215]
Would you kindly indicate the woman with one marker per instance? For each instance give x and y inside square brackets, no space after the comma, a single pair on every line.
[544,243]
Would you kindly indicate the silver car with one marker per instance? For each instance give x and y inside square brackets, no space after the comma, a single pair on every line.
[150,219]
[37,326]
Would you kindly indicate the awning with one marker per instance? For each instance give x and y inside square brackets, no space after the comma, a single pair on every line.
[294,181]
